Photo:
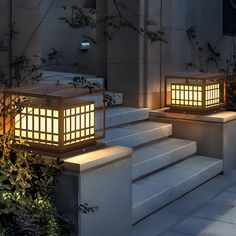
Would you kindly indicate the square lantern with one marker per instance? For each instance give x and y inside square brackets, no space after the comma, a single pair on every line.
[200,92]
[56,118]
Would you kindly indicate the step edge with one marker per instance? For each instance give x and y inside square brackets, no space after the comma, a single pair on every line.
[125,113]
[212,164]
[189,149]
[181,182]
[193,143]
[141,132]
[126,126]
[138,218]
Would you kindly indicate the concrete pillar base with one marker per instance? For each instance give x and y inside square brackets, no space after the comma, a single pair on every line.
[101,178]
[215,133]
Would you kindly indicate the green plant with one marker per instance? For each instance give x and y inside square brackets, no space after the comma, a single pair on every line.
[82,82]
[27,182]
[24,68]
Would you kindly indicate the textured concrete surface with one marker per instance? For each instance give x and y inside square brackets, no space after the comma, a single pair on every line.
[155,191]
[118,115]
[132,135]
[160,154]
[219,117]
[208,210]
[101,178]
[214,134]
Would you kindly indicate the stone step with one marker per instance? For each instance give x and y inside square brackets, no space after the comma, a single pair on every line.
[120,115]
[117,99]
[155,191]
[157,155]
[135,134]
[67,77]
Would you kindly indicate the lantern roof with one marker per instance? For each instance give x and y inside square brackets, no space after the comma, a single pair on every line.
[196,75]
[51,90]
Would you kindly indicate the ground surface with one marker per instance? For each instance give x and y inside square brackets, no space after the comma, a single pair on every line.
[209,210]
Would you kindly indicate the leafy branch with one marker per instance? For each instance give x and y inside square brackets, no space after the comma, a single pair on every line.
[210,59]
[206,54]
[85,208]
[83,82]
[83,18]
[22,67]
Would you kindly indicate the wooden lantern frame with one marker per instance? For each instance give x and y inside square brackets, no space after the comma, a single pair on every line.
[56,119]
[195,92]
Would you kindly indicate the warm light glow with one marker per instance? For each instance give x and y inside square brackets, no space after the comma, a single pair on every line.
[39,125]
[185,95]
[212,94]
[57,120]
[79,124]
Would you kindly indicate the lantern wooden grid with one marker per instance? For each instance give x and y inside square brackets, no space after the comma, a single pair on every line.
[195,91]
[56,118]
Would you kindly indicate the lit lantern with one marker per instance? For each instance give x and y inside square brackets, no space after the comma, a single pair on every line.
[5,111]
[195,91]
[56,118]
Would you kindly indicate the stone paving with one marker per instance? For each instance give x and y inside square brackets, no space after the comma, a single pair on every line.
[209,210]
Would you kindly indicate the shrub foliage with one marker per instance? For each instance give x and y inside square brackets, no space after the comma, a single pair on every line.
[26,185]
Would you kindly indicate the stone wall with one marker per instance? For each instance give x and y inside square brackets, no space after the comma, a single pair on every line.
[130,62]
[25,15]
[177,17]
[4,32]
[125,60]
[144,84]
[101,46]
[56,34]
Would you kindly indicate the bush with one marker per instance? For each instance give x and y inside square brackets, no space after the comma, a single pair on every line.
[26,185]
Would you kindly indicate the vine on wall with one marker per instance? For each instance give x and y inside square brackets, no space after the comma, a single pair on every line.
[23,68]
[85,18]
[209,59]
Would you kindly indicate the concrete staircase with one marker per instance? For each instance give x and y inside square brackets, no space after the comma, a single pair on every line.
[164,168]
